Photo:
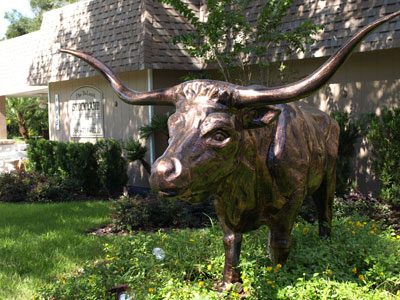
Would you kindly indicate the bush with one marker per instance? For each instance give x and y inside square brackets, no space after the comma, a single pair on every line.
[111,166]
[86,166]
[152,212]
[21,186]
[349,133]
[384,135]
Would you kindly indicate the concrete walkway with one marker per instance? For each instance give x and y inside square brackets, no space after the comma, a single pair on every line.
[11,155]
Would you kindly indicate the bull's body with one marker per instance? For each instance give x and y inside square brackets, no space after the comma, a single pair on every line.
[257,155]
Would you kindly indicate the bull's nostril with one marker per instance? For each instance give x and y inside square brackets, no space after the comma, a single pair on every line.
[171,168]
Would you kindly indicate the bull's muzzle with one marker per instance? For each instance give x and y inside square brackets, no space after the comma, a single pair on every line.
[169,177]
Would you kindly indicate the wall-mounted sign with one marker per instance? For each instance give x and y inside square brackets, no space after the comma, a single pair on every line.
[86,112]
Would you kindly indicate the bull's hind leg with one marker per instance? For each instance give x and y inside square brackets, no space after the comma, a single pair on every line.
[282,227]
[323,199]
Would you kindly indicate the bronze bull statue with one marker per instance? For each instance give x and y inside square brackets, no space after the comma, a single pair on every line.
[258,154]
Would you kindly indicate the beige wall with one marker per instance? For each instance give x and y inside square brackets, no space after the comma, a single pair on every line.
[3,121]
[121,121]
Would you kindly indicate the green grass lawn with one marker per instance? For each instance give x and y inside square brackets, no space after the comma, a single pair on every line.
[41,241]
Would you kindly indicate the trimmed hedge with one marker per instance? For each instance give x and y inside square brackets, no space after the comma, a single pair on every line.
[87,166]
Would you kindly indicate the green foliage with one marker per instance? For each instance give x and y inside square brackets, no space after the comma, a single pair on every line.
[151,212]
[111,166]
[18,186]
[159,123]
[384,135]
[134,150]
[229,39]
[350,131]
[86,166]
[360,261]
[20,25]
[29,115]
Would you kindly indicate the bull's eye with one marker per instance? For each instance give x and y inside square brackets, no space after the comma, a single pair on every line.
[220,136]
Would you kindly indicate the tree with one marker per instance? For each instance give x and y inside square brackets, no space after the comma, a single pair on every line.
[236,44]
[20,25]
[29,114]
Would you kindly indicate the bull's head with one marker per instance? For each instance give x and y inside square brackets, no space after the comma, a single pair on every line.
[206,132]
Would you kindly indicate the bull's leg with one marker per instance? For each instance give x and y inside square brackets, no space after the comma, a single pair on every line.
[323,199]
[282,227]
[232,243]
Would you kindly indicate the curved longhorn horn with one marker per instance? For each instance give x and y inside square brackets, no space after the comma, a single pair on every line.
[258,96]
[157,97]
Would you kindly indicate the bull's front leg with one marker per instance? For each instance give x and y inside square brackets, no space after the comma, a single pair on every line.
[232,243]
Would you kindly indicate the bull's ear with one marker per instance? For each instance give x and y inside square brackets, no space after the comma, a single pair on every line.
[260,117]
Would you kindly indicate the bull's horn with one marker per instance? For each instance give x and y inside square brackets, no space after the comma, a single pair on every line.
[258,96]
[157,97]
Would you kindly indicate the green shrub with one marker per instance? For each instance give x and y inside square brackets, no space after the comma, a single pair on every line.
[152,212]
[111,166]
[384,135]
[86,166]
[21,186]
[349,133]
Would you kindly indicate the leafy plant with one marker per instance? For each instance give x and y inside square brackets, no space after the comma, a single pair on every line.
[152,212]
[135,151]
[111,166]
[28,114]
[350,131]
[228,38]
[384,135]
[159,123]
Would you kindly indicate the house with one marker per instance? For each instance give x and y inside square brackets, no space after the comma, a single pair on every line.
[134,38]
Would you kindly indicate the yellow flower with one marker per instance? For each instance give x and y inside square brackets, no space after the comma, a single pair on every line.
[192,241]
[297,224]
[372,232]
[201,283]
[269,269]
[306,230]
[348,229]
[90,280]
[329,272]
[353,232]
[137,259]
[393,239]
[151,290]
[359,224]
[276,270]
[355,270]
[269,282]
[245,289]
[209,267]
[63,282]
[163,239]
[350,222]
[361,277]
[106,245]
[201,236]
[382,273]
[398,237]
[279,266]
[176,262]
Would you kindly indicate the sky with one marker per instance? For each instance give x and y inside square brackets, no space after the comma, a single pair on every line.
[6,5]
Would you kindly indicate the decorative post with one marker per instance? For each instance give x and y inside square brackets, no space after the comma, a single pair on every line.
[3,121]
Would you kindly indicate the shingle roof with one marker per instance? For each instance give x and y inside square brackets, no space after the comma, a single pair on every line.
[137,34]
[16,56]
[126,35]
